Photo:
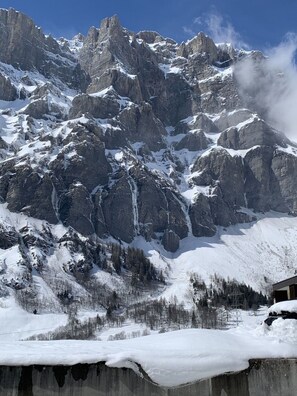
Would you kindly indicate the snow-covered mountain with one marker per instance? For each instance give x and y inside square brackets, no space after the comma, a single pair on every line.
[138,140]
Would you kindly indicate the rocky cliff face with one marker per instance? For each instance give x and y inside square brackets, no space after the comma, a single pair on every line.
[121,135]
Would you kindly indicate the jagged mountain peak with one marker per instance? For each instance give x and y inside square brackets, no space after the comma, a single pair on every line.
[131,138]
[111,23]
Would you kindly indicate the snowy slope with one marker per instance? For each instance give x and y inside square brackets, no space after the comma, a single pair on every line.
[142,154]
[258,254]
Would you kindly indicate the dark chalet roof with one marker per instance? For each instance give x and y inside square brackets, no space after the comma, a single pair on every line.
[286,282]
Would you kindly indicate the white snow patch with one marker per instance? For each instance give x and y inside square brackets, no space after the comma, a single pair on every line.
[289,306]
[17,324]
[170,359]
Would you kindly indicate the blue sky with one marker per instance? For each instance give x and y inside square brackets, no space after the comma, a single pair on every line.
[259,23]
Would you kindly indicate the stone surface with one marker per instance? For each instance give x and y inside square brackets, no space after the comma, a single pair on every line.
[7,90]
[141,125]
[201,218]
[273,377]
[170,241]
[118,209]
[76,209]
[82,160]
[252,134]
[201,44]
[23,45]
[96,106]
[146,120]
[193,142]
[30,193]
[220,169]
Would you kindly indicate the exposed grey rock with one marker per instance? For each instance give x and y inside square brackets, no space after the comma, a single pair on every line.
[122,83]
[3,144]
[7,90]
[201,217]
[149,37]
[252,134]
[200,44]
[76,209]
[43,90]
[8,237]
[30,193]
[114,138]
[283,186]
[258,178]
[141,125]
[169,107]
[204,123]
[87,163]
[158,207]
[118,210]
[222,212]
[23,45]
[38,109]
[102,45]
[98,216]
[219,94]
[98,107]
[193,142]
[150,83]
[270,176]
[201,121]
[170,241]
[220,168]
[230,119]
[176,217]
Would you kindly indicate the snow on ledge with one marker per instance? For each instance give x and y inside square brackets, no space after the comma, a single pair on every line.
[288,306]
[169,359]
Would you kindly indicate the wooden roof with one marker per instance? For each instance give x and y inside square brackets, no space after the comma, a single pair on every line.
[286,282]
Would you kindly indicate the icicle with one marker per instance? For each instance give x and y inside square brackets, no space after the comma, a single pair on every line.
[134,194]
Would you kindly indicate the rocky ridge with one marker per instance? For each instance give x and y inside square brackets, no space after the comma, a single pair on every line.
[122,135]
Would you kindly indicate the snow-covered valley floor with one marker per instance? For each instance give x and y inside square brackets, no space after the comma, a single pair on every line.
[169,359]
[258,254]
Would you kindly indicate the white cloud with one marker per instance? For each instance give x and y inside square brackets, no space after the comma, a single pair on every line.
[198,21]
[218,28]
[189,31]
[222,31]
[271,84]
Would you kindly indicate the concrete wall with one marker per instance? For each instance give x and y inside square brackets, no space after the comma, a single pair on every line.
[263,378]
